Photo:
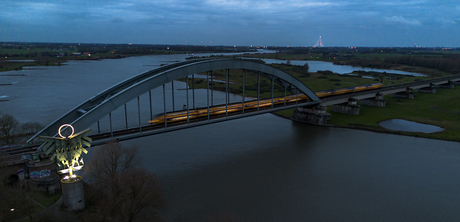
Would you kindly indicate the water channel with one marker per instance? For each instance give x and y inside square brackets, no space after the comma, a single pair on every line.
[262,168]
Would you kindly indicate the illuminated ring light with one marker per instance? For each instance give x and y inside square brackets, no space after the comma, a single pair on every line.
[66,125]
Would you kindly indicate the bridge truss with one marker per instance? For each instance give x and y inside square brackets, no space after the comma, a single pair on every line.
[133,100]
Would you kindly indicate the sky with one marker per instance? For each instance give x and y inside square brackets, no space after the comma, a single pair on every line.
[373,23]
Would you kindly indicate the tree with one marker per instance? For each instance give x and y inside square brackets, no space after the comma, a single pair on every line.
[30,128]
[15,204]
[125,191]
[306,67]
[8,126]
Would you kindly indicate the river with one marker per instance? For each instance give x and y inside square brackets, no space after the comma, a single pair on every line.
[262,168]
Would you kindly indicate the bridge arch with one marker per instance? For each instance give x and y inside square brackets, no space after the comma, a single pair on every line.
[95,108]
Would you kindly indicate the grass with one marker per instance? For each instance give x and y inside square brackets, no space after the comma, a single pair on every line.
[45,199]
[441,109]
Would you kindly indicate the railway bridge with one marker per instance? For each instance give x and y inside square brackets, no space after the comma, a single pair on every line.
[136,94]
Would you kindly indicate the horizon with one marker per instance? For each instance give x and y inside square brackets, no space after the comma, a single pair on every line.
[250,46]
[296,23]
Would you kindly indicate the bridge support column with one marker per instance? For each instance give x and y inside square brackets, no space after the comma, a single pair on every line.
[73,194]
[377,101]
[430,89]
[313,115]
[408,94]
[351,107]
[449,85]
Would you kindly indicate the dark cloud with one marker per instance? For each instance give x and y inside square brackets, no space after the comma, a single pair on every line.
[229,22]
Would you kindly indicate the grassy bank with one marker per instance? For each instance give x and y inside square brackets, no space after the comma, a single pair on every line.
[441,109]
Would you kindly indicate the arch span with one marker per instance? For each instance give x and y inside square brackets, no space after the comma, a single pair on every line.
[89,112]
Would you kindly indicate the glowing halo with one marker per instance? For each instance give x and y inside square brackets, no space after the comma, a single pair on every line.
[65,125]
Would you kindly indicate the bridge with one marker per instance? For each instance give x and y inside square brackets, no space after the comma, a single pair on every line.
[91,112]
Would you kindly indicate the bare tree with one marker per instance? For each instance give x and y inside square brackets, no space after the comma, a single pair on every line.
[126,191]
[8,126]
[30,128]
[112,159]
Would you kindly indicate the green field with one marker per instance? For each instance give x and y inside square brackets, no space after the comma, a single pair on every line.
[441,109]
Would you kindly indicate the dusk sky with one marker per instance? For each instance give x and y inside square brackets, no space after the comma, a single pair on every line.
[427,23]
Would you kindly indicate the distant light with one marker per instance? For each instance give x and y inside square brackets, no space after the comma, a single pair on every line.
[12,209]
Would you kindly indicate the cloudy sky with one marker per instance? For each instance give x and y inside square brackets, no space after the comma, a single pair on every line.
[234,22]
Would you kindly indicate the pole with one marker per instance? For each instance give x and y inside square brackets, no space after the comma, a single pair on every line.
[126,118]
[172,91]
[164,105]
[297,96]
[285,86]
[226,93]
[258,92]
[150,99]
[212,94]
[111,129]
[273,88]
[193,90]
[243,88]
[139,113]
[186,97]
[207,91]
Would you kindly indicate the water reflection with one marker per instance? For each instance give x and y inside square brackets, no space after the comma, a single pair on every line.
[408,126]
[315,66]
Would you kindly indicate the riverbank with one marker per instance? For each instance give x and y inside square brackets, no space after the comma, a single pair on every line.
[441,109]
[358,61]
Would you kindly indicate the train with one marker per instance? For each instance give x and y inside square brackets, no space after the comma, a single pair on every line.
[218,110]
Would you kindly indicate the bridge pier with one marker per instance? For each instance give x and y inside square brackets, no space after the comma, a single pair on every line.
[430,89]
[73,194]
[448,85]
[408,94]
[41,176]
[377,101]
[351,107]
[316,115]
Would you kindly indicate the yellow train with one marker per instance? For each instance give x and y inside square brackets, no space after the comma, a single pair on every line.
[217,110]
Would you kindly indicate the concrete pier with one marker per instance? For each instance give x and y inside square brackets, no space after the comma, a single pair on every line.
[430,89]
[377,101]
[316,115]
[408,94]
[448,85]
[73,194]
[351,107]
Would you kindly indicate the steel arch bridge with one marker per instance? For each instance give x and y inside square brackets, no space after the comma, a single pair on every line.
[101,105]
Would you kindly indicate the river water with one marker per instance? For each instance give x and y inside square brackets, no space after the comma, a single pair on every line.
[262,168]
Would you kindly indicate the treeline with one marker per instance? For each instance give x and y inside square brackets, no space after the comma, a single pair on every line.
[449,63]
[365,62]
[12,132]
